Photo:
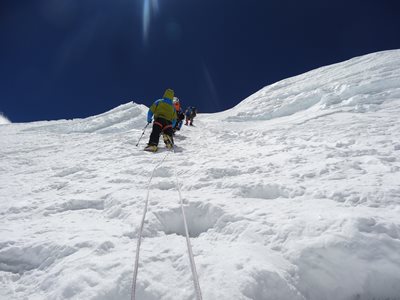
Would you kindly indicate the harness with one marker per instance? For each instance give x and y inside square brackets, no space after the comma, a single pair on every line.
[162,126]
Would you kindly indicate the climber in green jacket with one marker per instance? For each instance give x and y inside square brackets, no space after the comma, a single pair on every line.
[165,116]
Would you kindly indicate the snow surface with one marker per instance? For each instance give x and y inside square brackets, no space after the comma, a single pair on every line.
[3,119]
[292,194]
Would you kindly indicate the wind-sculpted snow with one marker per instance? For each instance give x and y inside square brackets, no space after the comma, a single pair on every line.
[125,117]
[302,207]
[3,119]
[360,84]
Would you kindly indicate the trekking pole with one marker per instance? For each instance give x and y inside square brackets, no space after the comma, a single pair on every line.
[144,129]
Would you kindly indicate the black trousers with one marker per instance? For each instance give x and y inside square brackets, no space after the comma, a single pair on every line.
[160,125]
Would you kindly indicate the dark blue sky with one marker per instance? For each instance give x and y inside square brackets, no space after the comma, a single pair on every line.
[75,58]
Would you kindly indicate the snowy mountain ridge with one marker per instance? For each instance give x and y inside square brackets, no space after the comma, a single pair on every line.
[292,194]
[359,84]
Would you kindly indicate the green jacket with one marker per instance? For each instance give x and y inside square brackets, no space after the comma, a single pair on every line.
[162,108]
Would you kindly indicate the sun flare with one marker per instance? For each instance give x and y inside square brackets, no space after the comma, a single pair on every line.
[150,7]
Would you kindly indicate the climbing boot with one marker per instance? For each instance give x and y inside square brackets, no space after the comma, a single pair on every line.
[168,141]
[151,148]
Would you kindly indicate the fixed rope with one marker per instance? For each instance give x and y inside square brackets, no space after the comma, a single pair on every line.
[189,246]
[135,272]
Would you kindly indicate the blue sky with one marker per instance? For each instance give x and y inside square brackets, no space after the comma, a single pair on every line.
[62,59]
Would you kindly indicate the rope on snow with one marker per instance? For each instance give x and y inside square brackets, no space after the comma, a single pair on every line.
[189,246]
[135,272]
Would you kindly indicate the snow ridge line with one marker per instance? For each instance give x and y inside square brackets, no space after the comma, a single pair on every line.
[135,273]
[189,246]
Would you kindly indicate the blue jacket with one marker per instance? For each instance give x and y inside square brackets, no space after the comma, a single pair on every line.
[191,112]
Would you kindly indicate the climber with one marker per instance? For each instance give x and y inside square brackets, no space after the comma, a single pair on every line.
[179,113]
[190,113]
[164,120]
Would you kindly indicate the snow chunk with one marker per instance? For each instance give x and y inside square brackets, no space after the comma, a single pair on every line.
[75,204]
[269,191]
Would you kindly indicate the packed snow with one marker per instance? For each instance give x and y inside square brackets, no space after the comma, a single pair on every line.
[292,194]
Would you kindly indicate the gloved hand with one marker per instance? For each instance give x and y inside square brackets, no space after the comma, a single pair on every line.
[149,121]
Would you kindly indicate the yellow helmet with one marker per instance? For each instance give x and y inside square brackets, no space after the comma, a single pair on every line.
[169,94]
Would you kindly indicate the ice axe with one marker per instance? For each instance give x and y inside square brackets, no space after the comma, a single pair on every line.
[144,129]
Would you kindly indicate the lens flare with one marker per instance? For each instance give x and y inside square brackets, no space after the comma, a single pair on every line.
[213,100]
[155,5]
[150,7]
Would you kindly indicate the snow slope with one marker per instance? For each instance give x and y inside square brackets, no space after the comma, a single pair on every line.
[292,194]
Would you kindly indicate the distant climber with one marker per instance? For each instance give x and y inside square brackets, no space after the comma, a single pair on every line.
[190,113]
[179,113]
[164,120]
